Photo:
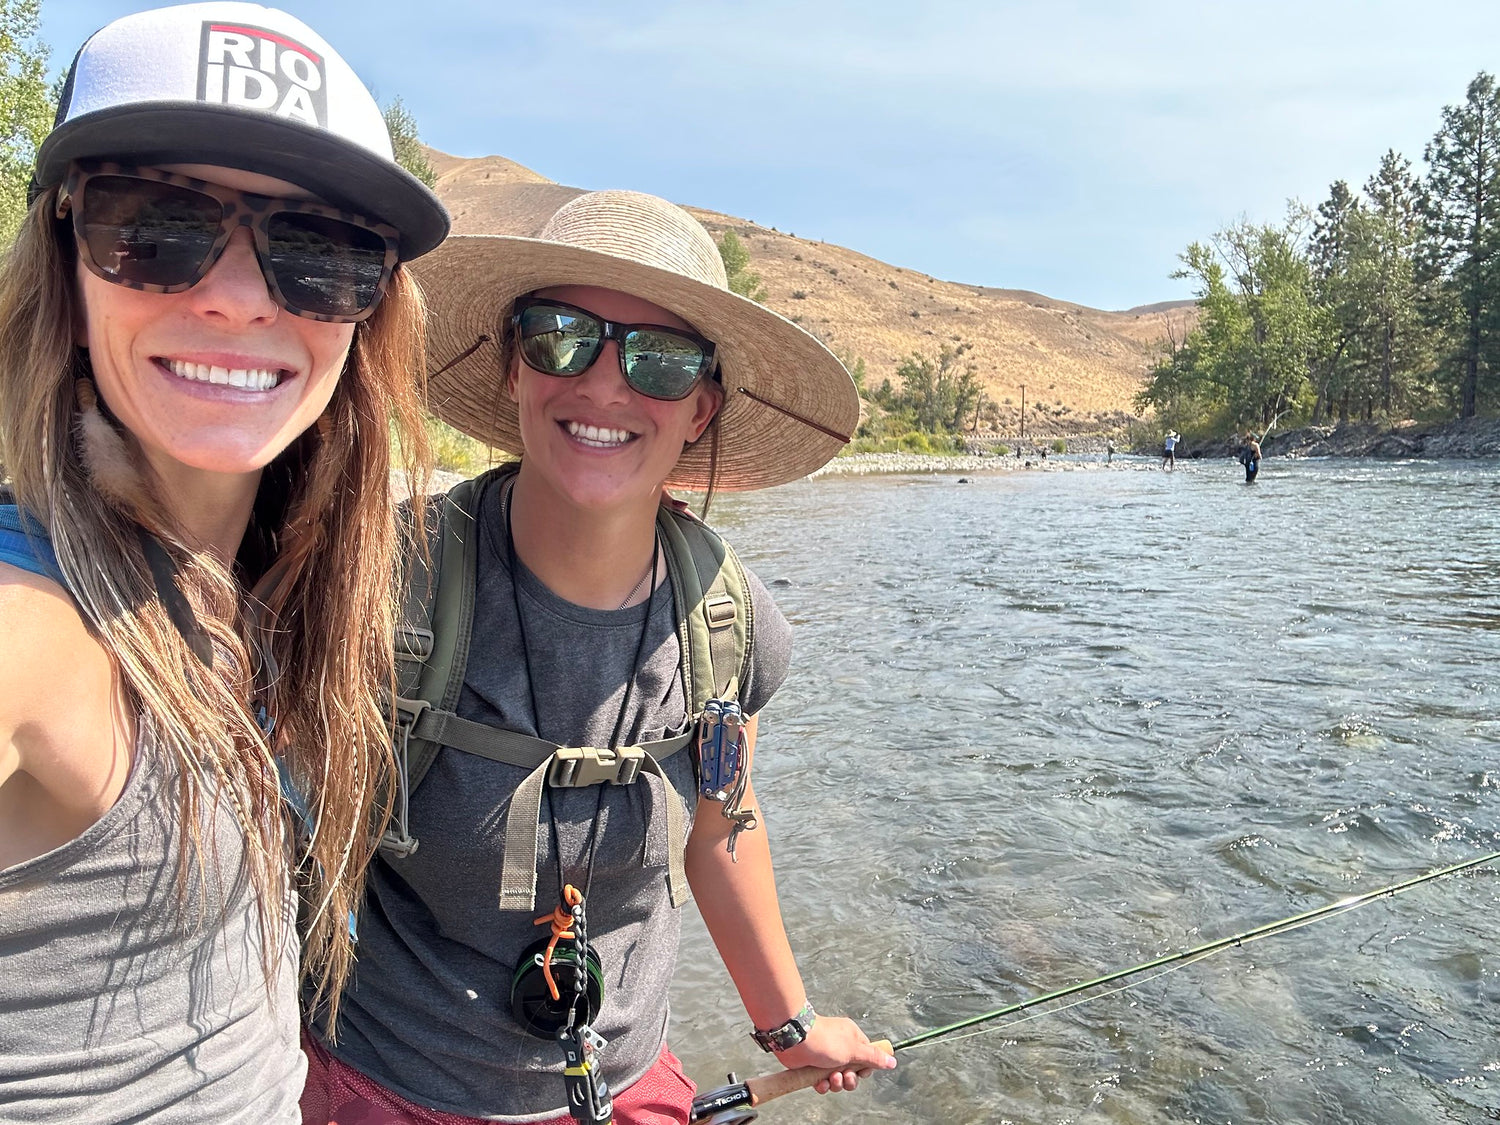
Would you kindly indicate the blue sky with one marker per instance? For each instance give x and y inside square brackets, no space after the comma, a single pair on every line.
[1072,148]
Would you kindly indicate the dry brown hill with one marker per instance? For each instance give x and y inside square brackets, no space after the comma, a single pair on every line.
[1081,366]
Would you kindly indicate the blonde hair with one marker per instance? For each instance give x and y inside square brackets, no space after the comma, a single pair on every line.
[313,643]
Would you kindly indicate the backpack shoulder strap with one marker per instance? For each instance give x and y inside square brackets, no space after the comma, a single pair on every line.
[24,543]
[432,639]
[715,620]
[440,605]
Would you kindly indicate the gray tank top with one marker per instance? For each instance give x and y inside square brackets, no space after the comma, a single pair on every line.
[121,998]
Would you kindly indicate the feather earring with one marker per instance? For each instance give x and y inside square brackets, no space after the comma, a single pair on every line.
[110,463]
[113,470]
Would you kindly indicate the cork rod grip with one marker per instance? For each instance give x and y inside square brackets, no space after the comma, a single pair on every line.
[769,1086]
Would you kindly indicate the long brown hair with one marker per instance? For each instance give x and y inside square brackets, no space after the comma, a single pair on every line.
[313,642]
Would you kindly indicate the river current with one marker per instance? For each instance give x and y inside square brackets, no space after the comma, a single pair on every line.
[1044,725]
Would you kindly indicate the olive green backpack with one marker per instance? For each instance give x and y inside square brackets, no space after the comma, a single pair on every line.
[715,628]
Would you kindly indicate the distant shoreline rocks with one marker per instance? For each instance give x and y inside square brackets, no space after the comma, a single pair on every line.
[1470,439]
[1460,440]
[861,464]
[1463,440]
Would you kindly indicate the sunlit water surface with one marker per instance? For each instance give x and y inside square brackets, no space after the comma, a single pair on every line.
[1044,725]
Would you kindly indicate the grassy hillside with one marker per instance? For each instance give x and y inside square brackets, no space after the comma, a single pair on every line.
[1081,366]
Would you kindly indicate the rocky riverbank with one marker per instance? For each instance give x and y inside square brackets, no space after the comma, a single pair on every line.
[860,464]
[1473,437]
[1477,437]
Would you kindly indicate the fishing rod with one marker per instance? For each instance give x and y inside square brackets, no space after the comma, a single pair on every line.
[735,1104]
[1274,419]
[1198,952]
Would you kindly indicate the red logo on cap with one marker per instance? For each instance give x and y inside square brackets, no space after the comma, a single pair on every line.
[256,68]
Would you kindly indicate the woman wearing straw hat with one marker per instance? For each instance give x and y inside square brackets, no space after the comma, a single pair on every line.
[611,356]
[208,338]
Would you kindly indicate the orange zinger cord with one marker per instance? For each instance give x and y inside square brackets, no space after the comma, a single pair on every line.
[561,919]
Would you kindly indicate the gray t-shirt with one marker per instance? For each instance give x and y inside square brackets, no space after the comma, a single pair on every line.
[124,999]
[428,1013]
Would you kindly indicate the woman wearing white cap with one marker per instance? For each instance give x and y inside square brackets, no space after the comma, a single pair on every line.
[208,336]
[610,354]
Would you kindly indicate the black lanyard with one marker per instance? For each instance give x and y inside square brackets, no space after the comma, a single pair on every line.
[536,716]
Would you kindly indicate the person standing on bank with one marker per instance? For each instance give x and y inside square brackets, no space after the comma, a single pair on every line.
[208,339]
[610,354]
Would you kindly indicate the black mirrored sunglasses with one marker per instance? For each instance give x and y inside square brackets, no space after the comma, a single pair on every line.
[161,233]
[560,339]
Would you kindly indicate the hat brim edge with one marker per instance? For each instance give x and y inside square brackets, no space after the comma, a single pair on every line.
[336,169]
[473,278]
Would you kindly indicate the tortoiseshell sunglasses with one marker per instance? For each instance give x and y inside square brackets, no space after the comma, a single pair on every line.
[161,233]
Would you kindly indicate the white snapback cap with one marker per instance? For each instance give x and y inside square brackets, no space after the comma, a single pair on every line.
[244,86]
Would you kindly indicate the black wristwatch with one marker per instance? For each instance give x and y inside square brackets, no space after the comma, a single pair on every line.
[789,1034]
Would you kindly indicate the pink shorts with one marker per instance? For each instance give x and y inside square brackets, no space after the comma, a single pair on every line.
[337,1094]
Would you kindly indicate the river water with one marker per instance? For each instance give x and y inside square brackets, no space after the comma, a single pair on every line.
[1044,725]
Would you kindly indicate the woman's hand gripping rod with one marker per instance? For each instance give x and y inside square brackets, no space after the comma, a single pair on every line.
[737,1103]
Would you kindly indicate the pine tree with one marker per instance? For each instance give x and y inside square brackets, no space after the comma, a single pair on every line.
[1335,256]
[406,143]
[1462,212]
[1393,221]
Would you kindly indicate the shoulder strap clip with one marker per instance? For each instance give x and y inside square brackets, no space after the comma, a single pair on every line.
[720,610]
[408,713]
[574,767]
[413,642]
[398,840]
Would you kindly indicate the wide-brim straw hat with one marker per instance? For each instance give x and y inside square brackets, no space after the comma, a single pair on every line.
[789,405]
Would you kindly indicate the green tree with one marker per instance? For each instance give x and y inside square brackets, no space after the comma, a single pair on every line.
[1174,389]
[1258,330]
[940,394]
[1337,259]
[27,106]
[1395,344]
[736,266]
[1274,282]
[406,142]
[1462,212]
[857,373]
[855,365]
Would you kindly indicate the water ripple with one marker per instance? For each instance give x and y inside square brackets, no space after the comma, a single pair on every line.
[1047,725]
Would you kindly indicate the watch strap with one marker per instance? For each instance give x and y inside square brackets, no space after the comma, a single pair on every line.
[789,1034]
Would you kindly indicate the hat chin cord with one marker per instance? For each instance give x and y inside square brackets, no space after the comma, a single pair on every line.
[792,414]
[484,338]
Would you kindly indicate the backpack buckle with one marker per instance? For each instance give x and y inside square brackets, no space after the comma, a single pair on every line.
[398,840]
[407,712]
[720,611]
[413,643]
[574,767]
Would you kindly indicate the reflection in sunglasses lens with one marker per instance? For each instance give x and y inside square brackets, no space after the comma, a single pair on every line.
[140,231]
[325,265]
[148,233]
[558,342]
[661,364]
